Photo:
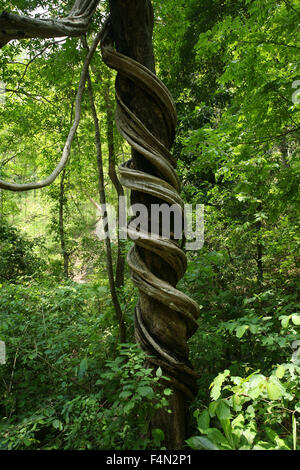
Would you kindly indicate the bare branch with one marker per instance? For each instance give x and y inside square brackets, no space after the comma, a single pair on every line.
[26,93]
[68,144]
[274,137]
[22,27]
[5,162]
[34,58]
[257,43]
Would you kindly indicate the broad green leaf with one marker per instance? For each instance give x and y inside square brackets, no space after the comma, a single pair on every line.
[215,392]
[285,322]
[216,436]
[217,383]
[296,319]
[125,394]
[200,443]
[145,391]
[280,371]
[212,408]
[57,424]
[240,331]
[254,329]
[223,410]
[203,420]
[274,391]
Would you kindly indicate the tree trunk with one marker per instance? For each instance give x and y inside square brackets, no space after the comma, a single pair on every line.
[164,317]
[61,224]
[120,265]
[284,149]
[102,196]
[259,248]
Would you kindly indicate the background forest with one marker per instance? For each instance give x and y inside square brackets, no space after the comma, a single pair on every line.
[69,382]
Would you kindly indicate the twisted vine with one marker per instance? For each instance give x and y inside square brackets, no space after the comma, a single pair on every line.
[165,187]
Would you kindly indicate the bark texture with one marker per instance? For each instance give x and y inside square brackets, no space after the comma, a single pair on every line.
[165,318]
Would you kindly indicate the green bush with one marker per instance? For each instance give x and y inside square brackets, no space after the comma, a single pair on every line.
[252,413]
[66,384]
[16,253]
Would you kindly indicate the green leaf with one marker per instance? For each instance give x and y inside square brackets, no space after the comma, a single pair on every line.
[223,410]
[203,420]
[254,329]
[200,443]
[145,391]
[296,319]
[274,391]
[124,395]
[212,408]
[159,373]
[217,383]
[216,436]
[285,321]
[236,403]
[280,371]
[83,367]
[158,434]
[215,392]
[226,425]
[220,378]
[57,424]
[240,331]
[128,407]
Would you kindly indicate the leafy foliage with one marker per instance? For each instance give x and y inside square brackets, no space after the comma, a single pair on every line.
[232,68]
[60,388]
[17,254]
[252,413]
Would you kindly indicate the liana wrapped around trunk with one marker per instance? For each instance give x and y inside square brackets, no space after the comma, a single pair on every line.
[165,318]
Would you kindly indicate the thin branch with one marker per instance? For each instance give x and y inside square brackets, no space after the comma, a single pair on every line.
[256,43]
[109,262]
[27,93]
[33,59]
[5,162]
[274,137]
[68,144]
[26,64]
[291,7]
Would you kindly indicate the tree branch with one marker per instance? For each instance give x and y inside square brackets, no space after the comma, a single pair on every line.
[274,137]
[68,144]
[5,162]
[256,43]
[22,27]
[26,93]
